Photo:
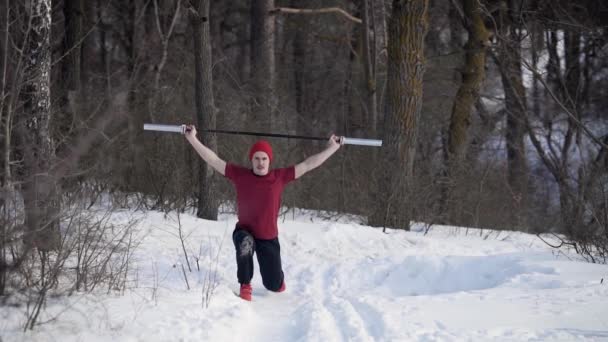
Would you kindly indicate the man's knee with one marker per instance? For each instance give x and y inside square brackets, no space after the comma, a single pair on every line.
[273,285]
[244,243]
[273,280]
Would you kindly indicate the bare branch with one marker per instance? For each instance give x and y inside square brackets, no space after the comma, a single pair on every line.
[338,10]
[562,242]
[193,10]
[459,10]
[165,39]
[571,115]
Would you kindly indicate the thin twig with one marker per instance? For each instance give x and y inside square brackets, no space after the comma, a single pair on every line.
[181,238]
[338,10]
[571,115]
[185,276]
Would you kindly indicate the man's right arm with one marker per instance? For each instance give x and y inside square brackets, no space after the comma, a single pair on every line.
[208,156]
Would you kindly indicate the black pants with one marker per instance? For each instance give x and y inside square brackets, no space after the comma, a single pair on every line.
[269,259]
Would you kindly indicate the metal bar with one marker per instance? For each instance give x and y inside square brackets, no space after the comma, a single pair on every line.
[164,128]
[258,134]
[180,129]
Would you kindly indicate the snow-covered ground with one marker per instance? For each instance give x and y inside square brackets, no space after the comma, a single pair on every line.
[345,282]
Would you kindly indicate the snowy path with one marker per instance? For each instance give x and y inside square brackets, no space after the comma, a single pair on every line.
[347,283]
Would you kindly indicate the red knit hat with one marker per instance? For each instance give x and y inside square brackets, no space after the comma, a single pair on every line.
[261,145]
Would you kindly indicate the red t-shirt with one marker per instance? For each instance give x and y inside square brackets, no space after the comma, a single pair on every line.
[258,198]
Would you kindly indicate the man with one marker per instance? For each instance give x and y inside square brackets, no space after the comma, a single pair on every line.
[258,198]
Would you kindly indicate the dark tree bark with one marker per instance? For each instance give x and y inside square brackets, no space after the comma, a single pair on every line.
[572,88]
[509,60]
[244,57]
[369,34]
[39,188]
[72,13]
[537,38]
[136,45]
[407,30]
[473,75]
[5,176]
[87,50]
[300,48]
[263,64]
[553,68]
[70,72]
[5,100]
[205,107]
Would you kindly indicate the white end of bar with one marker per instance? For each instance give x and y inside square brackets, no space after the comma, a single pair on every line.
[164,128]
[363,142]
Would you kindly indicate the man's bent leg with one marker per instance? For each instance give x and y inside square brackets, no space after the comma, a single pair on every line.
[244,244]
[269,259]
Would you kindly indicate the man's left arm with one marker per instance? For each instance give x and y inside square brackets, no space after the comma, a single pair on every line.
[316,160]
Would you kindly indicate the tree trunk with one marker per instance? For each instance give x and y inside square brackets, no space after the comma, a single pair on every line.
[300,53]
[356,113]
[379,13]
[72,13]
[105,57]
[553,68]
[205,107]
[263,65]
[87,51]
[368,32]
[244,55]
[407,30]
[5,175]
[537,38]
[516,108]
[40,189]
[70,72]
[473,75]
[133,162]
[571,198]
[588,79]
[5,101]
[572,98]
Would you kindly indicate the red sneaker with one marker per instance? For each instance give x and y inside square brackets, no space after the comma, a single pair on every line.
[246,292]
[282,288]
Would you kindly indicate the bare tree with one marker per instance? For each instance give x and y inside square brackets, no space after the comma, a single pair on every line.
[369,35]
[39,187]
[134,163]
[165,39]
[509,60]
[70,72]
[300,52]
[263,75]
[72,13]
[6,107]
[205,106]
[473,74]
[407,29]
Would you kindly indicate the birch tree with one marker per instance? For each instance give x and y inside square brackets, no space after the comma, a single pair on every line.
[39,187]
